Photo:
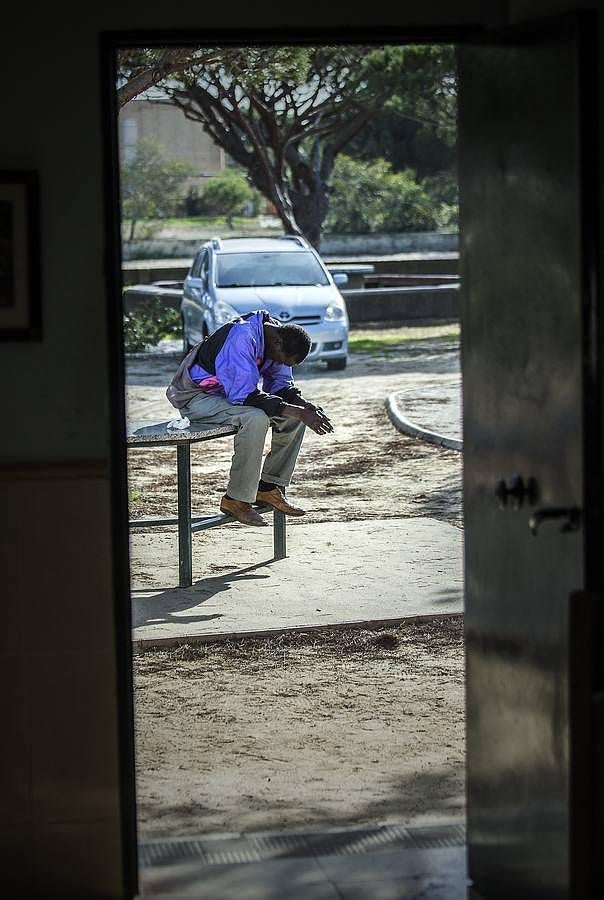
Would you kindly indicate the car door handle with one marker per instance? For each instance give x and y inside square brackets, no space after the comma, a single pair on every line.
[570,515]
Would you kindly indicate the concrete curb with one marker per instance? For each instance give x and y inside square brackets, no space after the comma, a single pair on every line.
[402,423]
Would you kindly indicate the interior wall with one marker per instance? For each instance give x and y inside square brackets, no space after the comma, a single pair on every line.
[65,799]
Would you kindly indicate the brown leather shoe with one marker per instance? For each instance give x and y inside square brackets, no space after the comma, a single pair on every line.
[243,512]
[276,499]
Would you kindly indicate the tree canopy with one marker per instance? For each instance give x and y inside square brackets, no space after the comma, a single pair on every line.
[285,113]
[140,68]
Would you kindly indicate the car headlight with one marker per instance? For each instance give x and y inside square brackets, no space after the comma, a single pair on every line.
[224,312]
[334,312]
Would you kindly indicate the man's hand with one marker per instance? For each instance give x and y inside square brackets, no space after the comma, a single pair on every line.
[312,416]
[316,419]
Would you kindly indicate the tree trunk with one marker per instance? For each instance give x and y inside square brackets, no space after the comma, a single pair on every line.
[310,211]
[279,195]
[309,191]
[132,224]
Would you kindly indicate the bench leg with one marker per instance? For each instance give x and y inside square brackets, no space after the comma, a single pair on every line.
[279,538]
[185,548]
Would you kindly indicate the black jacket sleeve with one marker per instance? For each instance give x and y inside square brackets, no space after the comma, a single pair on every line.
[291,395]
[271,404]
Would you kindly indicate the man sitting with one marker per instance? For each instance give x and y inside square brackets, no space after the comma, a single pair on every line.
[218,383]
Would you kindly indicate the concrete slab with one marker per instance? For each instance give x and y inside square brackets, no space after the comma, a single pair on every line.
[335,573]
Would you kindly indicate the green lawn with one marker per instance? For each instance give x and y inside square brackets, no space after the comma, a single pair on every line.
[210,222]
[370,340]
[205,226]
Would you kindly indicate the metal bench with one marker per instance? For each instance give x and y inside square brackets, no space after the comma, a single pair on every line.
[158,434]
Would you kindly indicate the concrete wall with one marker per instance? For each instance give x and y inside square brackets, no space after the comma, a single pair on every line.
[397,304]
[67,781]
[382,244]
[345,245]
[402,304]
[147,271]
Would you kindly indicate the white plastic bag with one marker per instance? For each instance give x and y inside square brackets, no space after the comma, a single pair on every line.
[178,424]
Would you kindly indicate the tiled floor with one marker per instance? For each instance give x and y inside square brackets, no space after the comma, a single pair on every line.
[389,872]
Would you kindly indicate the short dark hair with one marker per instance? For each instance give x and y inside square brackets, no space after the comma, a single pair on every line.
[295,341]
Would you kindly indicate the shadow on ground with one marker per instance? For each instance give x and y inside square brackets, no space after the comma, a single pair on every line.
[166,604]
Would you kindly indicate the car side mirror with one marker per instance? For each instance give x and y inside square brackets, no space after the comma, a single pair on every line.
[340,278]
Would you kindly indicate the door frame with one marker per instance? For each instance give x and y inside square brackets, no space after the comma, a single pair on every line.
[109,43]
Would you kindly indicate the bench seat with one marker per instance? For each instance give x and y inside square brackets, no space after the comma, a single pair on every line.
[158,434]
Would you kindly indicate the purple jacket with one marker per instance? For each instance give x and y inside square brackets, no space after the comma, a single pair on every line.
[231,363]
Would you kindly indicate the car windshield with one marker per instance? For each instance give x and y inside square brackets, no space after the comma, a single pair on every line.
[267,269]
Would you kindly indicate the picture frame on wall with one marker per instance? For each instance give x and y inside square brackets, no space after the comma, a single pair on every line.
[20,281]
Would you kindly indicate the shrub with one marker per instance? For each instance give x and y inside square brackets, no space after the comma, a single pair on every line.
[371,197]
[227,194]
[150,184]
[146,329]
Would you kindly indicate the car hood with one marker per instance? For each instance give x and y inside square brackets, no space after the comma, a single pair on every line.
[302,300]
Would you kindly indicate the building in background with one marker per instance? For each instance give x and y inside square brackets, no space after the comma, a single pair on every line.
[182,139]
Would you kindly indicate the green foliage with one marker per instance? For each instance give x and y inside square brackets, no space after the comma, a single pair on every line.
[227,194]
[443,189]
[405,143]
[257,67]
[415,125]
[151,185]
[423,76]
[145,329]
[369,198]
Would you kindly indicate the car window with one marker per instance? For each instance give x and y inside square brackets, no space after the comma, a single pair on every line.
[264,269]
[200,264]
[196,266]
[203,271]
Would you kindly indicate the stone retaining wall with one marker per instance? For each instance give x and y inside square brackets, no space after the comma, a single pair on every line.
[403,304]
[345,244]
[399,304]
[148,271]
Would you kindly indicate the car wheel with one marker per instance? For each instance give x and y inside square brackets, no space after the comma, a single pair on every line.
[337,364]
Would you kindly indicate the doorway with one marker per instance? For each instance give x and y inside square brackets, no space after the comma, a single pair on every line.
[506,486]
[426,349]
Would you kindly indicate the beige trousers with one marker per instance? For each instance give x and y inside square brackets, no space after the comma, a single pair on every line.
[252,424]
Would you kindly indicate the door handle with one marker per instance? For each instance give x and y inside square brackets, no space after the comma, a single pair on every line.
[571,516]
[516,491]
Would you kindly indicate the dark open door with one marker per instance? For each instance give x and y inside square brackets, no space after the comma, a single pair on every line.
[531,372]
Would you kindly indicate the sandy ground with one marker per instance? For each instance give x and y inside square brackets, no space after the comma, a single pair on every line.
[344,727]
[335,728]
[364,470]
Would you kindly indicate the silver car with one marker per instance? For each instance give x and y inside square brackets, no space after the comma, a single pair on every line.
[283,275]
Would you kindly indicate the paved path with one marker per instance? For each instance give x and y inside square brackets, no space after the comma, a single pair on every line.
[334,574]
[431,410]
